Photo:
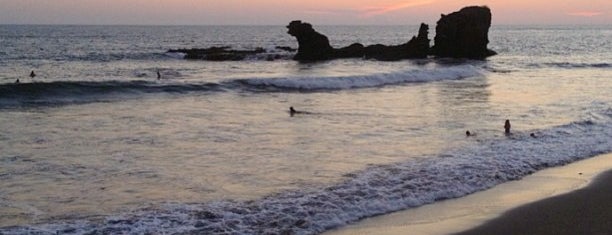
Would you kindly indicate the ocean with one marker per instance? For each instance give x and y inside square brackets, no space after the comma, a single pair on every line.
[96,144]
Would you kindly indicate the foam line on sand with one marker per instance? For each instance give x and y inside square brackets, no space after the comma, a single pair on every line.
[452,216]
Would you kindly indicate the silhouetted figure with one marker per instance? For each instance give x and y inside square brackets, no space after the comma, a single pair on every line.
[17,81]
[32,74]
[532,135]
[158,75]
[507,126]
[292,111]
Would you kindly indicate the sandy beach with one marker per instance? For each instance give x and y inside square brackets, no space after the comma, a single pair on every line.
[584,211]
[572,199]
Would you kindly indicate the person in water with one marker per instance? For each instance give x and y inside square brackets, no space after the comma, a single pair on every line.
[507,126]
[158,75]
[32,74]
[292,111]
[17,81]
[468,133]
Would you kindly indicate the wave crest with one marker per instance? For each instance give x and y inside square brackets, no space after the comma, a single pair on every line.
[363,81]
[568,65]
[66,92]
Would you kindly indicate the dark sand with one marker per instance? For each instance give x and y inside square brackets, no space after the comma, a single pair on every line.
[584,211]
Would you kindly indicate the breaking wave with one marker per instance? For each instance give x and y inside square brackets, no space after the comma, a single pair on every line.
[363,81]
[375,190]
[568,65]
[70,92]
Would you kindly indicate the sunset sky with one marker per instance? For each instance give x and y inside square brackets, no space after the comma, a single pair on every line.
[279,12]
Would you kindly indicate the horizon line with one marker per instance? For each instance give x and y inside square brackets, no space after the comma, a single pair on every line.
[323,24]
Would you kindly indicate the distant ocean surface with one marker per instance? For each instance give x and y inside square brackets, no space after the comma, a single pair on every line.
[95,143]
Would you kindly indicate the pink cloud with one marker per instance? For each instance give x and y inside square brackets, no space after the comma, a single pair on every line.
[585,13]
[379,10]
[329,11]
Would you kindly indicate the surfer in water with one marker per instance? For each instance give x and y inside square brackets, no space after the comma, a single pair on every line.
[292,111]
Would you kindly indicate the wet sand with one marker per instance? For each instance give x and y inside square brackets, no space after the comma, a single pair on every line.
[564,189]
[584,211]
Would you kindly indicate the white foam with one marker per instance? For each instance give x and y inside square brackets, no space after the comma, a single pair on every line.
[363,81]
[175,55]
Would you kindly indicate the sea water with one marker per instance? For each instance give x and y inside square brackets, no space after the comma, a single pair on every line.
[95,143]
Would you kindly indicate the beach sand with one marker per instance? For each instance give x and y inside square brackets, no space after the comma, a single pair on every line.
[584,211]
[551,201]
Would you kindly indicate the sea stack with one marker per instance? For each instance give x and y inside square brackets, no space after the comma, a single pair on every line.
[312,45]
[464,34]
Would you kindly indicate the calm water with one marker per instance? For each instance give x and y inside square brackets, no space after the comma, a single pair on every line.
[96,143]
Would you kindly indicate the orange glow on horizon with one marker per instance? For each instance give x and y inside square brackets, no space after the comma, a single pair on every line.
[585,13]
[379,10]
[279,12]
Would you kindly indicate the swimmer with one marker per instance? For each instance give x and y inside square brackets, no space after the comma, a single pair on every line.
[32,74]
[292,111]
[507,126]
[532,135]
[17,81]
[467,133]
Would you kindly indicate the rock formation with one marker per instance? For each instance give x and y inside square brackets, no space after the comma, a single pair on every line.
[417,47]
[314,46]
[217,53]
[225,53]
[463,34]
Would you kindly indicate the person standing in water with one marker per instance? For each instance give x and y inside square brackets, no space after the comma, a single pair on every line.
[158,75]
[32,74]
[507,126]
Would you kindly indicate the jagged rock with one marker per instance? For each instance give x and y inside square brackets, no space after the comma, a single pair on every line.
[464,34]
[314,46]
[217,53]
[289,49]
[417,47]
[355,50]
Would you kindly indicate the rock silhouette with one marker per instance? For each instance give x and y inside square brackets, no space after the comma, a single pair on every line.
[314,46]
[217,53]
[417,47]
[461,34]
[464,34]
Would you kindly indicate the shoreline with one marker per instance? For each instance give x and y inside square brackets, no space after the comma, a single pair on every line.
[584,211]
[461,214]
